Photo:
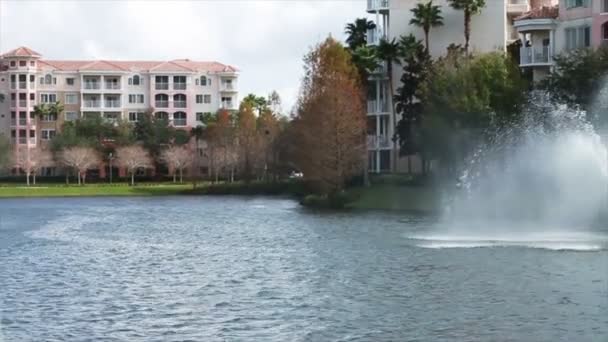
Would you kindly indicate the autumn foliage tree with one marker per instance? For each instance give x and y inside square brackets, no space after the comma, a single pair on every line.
[31,160]
[177,158]
[330,119]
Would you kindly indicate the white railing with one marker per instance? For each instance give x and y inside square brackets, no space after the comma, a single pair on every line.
[32,141]
[22,140]
[161,104]
[530,55]
[22,85]
[13,122]
[22,103]
[161,86]
[374,106]
[179,122]
[91,104]
[92,85]
[22,122]
[179,104]
[227,86]
[226,105]
[376,5]
[179,86]
[112,103]
[377,141]
[517,6]
[111,85]
[375,35]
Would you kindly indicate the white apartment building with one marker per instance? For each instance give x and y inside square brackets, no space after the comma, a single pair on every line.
[490,31]
[180,91]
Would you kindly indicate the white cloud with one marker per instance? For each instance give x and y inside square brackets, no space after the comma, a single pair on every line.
[265,39]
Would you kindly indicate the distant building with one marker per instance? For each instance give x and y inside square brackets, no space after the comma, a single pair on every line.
[491,30]
[180,91]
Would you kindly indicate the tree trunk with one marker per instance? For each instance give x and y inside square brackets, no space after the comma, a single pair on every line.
[132,178]
[467,30]
[84,178]
[231,175]
[426,40]
[174,175]
[181,175]
[27,178]
[78,177]
[34,178]
[394,116]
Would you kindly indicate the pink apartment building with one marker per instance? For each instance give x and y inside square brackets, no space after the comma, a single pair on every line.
[180,90]
[552,30]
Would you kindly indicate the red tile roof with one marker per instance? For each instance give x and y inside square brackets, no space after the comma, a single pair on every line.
[545,12]
[183,65]
[22,51]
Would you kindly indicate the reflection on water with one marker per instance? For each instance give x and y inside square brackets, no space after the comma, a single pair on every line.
[238,269]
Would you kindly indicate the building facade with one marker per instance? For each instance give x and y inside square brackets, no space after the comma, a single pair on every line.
[491,30]
[552,30]
[181,91]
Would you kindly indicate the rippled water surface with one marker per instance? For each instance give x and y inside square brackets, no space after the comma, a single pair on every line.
[260,269]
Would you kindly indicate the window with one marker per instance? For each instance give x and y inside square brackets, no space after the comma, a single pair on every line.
[48,98]
[578,37]
[203,80]
[32,79]
[605,6]
[49,117]
[203,117]
[32,63]
[179,119]
[71,116]
[47,134]
[136,98]
[48,79]
[136,80]
[206,98]
[577,3]
[199,98]
[32,97]
[71,98]
[69,81]
[196,81]
[22,63]
[179,101]
[161,116]
[605,30]
[13,64]
[135,116]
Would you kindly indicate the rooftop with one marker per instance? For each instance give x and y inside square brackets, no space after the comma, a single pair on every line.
[545,12]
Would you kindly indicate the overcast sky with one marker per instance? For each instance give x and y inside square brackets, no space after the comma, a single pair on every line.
[265,39]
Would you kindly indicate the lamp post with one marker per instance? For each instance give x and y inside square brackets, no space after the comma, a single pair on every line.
[110,158]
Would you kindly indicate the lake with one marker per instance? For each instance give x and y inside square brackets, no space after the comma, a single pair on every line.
[265,269]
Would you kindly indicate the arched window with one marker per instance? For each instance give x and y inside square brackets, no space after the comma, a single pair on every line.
[136,80]
[161,116]
[203,80]
[161,100]
[48,79]
[179,101]
[179,119]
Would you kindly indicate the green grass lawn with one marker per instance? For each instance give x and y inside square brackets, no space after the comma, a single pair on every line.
[424,199]
[54,190]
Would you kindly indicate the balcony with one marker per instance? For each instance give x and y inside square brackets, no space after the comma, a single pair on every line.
[161,104]
[32,141]
[112,103]
[112,86]
[374,106]
[179,122]
[179,86]
[227,105]
[92,85]
[179,104]
[535,56]
[91,104]
[228,87]
[516,7]
[22,122]
[161,86]
[374,36]
[381,6]
[22,140]
[22,85]
[22,103]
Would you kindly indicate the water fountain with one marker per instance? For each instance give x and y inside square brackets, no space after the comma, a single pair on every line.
[541,183]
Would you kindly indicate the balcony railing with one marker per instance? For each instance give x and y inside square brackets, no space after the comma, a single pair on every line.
[92,104]
[179,122]
[13,85]
[179,86]
[226,105]
[22,140]
[32,141]
[161,86]
[22,121]
[22,85]
[13,122]
[374,106]
[377,141]
[161,104]
[112,85]
[517,6]
[179,104]
[228,86]
[377,5]
[22,103]
[374,36]
[92,85]
[531,55]
[112,103]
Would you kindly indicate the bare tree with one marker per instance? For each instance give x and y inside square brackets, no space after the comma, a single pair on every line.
[177,159]
[133,158]
[80,159]
[31,160]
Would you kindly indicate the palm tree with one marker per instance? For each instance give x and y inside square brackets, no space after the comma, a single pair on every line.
[426,16]
[197,133]
[365,58]
[388,51]
[357,32]
[470,8]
